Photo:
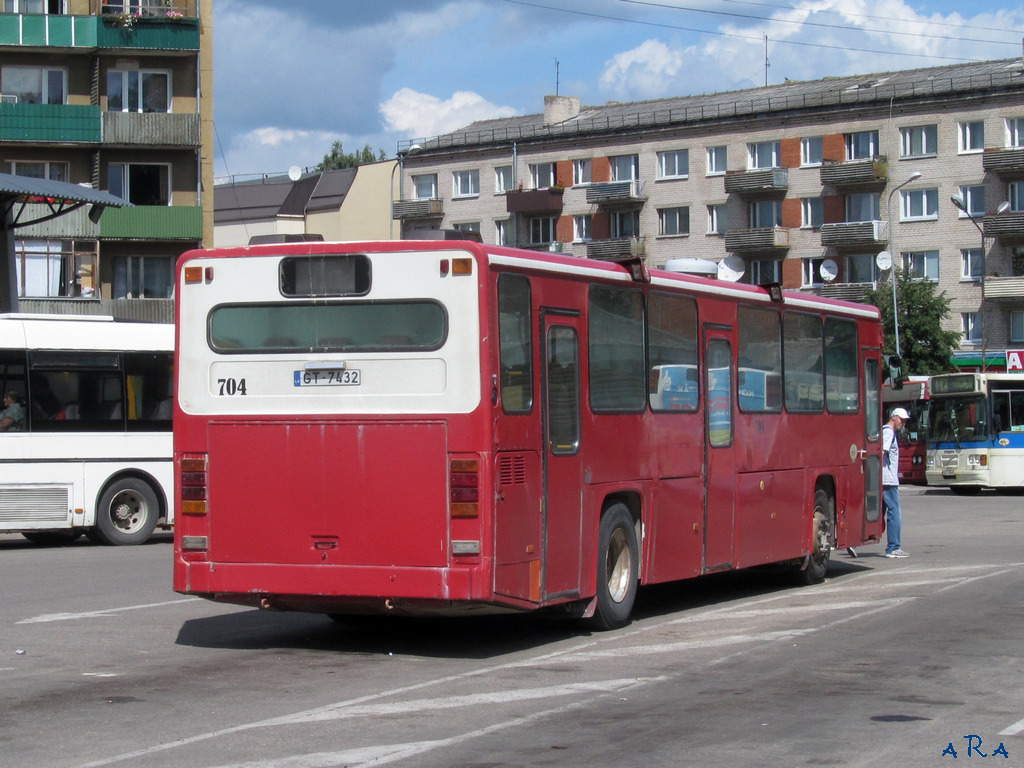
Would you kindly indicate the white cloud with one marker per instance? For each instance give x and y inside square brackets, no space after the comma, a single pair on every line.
[642,72]
[421,115]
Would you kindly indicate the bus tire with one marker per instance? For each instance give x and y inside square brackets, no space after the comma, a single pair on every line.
[823,539]
[618,569]
[127,513]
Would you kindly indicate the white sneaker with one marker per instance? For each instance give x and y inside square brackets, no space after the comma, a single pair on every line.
[897,553]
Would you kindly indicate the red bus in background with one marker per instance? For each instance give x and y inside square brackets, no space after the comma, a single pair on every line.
[442,426]
[913,438]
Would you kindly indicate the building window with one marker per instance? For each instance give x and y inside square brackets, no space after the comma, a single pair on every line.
[971,136]
[466,183]
[674,164]
[764,154]
[971,259]
[40,170]
[974,200]
[861,268]
[918,204]
[501,232]
[1017,325]
[717,161]
[582,228]
[626,224]
[143,277]
[35,85]
[140,184]
[717,223]
[812,271]
[674,221]
[542,230]
[543,175]
[581,171]
[138,91]
[467,226]
[425,186]
[1014,130]
[812,211]
[763,271]
[922,265]
[971,324]
[919,141]
[765,213]
[812,151]
[1016,195]
[625,167]
[502,179]
[56,268]
[863,206]
[862,145]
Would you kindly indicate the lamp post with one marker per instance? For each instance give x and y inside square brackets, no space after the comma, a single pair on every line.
[895,257]
[958,200]
[402,154]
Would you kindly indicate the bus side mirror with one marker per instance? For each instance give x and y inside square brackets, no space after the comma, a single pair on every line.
[895,372]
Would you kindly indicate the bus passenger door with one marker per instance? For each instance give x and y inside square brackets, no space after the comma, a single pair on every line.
[563,475]
[869,503]
[719,478]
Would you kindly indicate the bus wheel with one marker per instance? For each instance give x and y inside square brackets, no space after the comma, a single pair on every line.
[824,539]
[127,513]
[51,538]
[618,566]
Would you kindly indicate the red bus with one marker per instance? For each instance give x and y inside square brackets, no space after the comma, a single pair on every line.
[913,438]
[442,426]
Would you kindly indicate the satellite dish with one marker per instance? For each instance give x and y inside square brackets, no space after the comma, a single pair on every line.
[828,270]
[295,173]
[731,268]
[884,260]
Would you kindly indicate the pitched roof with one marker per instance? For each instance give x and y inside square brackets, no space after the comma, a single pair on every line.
[274,196]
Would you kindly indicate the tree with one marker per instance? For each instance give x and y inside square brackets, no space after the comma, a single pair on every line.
[926,349]
[338,158]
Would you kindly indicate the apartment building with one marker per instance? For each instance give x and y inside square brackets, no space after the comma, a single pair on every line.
[803,183]
[117,96]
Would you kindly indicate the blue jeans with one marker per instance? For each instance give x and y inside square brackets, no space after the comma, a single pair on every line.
[893,517]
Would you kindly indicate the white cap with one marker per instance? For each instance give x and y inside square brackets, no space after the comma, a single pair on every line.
[901,412]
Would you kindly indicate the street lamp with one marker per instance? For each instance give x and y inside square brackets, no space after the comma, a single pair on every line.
[958,200]
[402,154]
[895,257]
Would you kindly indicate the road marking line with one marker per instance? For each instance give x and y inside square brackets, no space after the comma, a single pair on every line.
[1014,729]
[47,617]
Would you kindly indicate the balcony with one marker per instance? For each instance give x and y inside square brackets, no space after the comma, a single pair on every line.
[1005,163]
[1011,288]
[855,173]
[760,239]
[74,225]
[153,222]
[426,208]
[616,193]
[163,28]
[64,123]
[534,200]
[616,248]
[845,291]
[153,129]
[757,182]
[855,234]
[1007,228]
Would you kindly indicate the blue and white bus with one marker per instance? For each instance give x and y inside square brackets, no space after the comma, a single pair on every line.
[976,431]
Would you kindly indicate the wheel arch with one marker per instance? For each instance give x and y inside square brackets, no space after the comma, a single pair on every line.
[633,501]
[136,474]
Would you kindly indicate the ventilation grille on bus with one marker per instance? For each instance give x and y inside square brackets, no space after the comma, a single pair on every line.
[34,505]
[512,470]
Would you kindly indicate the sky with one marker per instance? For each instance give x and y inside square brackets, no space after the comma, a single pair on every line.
[292,78]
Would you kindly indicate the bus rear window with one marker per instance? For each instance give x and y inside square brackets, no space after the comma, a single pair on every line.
[385,326]
[333,275]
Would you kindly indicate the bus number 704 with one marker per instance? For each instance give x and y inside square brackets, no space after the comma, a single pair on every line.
[231,387]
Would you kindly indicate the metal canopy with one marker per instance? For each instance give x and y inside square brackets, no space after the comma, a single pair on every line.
[58,198]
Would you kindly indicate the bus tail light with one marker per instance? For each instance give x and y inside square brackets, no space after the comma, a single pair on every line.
[464,485]
[192,485]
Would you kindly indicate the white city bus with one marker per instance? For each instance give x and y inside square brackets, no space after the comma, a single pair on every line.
[93,454]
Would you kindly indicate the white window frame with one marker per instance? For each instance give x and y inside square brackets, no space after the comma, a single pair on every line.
[543,175]
[763,271]
[674,222]
[503,179]
[140,76]
[764,155]
[1017,325]
[1015,194]
[812,212]
[718,160]
[922,265]
[119,180]
[43,73]
[625,223]
[582,172]
[919,141]
[674,164]
[466,183]
[501,232]
[812,151]
[971,262]
[919,204]
[717,219]
[857,201]
[425,182]
[51,170]
[582,228]
[974,200]
[858,260]
[765,214]
[1015,132]
[854,151]
[970,137]
[970,324]
[625,167]
[811,269]
[543,230]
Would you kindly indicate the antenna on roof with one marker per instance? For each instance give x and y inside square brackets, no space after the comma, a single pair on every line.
[556,77]
[766,62]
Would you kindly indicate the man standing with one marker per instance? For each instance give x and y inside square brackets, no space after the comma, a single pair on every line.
[891,482]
